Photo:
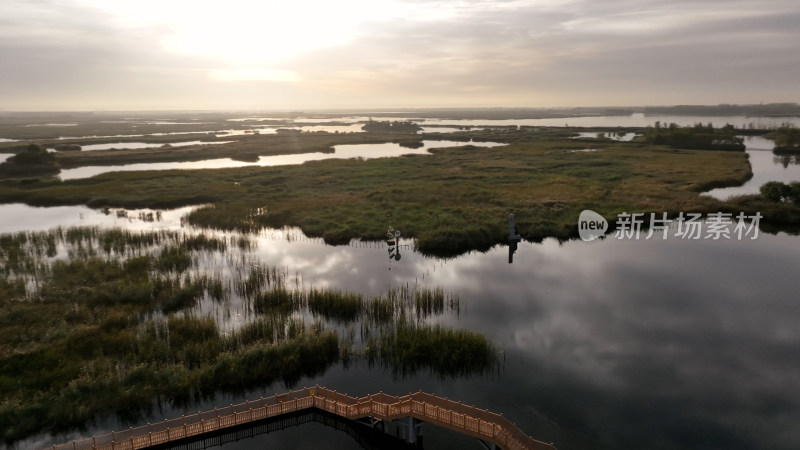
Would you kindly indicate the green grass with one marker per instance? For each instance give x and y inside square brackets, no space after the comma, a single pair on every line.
[455,200]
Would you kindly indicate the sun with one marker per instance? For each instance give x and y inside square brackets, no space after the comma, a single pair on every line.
[250,38]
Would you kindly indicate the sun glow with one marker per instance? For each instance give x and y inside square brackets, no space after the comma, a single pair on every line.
[258,35]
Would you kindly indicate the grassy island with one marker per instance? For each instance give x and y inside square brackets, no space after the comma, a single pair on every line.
[452,201]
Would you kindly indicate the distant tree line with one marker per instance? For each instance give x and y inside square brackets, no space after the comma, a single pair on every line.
[761,110]
[699,136]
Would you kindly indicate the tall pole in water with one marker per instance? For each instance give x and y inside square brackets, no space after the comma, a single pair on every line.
[513,238]
[512,229]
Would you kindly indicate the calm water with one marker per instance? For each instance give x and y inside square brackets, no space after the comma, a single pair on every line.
[361,151]
[624,137]
[766,167]
[353,124]
[608,344]
[351,128]
[17,217]
[136,145]
[612,344]
[634,120]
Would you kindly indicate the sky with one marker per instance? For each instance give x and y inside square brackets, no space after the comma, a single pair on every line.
[307,54]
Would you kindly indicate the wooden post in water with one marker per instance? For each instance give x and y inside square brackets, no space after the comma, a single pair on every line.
[512,229]
[513,238]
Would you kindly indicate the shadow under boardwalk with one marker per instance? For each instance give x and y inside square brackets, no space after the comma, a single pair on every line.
[365,436]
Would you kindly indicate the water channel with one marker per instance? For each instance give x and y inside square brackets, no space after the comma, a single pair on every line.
[345,151]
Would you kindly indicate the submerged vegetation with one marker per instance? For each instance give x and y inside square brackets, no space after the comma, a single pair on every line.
[96,322]
[407,347]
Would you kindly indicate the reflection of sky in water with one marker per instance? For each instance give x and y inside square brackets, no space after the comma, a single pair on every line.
[680,343]
[128,135]
[17,217]
[607,344]
[354,123]
[135,145]
[634,120]
[363,151]
[765,168]
[674,343]
[617,137]
[448,129]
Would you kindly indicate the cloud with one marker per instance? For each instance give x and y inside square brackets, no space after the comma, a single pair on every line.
[397,53]
[255,75]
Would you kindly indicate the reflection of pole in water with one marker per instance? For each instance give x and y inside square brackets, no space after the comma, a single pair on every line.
[513,238]
[393,240]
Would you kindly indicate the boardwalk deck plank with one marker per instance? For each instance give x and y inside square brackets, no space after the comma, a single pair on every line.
[469,420]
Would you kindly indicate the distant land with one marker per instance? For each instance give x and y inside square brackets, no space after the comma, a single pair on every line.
[754,110]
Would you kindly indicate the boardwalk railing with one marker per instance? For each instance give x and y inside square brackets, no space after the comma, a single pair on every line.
[433,409]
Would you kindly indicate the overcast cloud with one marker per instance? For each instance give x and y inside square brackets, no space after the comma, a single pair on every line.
[175,54]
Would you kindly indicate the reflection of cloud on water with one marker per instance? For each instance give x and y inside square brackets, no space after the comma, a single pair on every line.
[18,217]
[349,151]
[689,323]
[765,166]
[674,332]
[687,343]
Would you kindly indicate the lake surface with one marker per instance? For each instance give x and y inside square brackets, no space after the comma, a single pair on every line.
[353,124]
[136,145]
[634,120]
[16,217]
[612,344]
[623,137]
[607,344]
[361,151]
[766,167]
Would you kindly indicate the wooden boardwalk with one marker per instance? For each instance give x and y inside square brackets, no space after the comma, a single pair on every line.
[485,425]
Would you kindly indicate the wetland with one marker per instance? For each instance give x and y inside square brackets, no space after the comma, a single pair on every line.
[118,310]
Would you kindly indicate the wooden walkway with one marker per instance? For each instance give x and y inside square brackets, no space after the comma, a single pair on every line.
[485,425]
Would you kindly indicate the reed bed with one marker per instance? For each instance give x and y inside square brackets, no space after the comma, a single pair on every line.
[107,321]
